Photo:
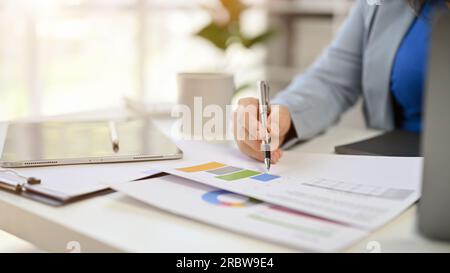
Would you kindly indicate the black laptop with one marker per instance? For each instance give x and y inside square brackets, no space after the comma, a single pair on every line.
[395,143]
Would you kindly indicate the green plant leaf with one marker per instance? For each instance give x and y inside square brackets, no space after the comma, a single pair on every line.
[216,34]
[261,38]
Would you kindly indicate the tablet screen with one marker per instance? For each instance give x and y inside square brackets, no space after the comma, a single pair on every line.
[84,142]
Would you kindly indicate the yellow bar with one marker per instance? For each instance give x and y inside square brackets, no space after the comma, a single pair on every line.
[202,167]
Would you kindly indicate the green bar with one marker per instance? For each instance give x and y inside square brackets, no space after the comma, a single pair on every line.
[238,175]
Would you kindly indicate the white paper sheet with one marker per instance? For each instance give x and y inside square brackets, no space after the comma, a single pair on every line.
[241,214]
[362,191]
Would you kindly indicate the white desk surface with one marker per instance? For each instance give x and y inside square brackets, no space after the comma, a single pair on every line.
[115,222]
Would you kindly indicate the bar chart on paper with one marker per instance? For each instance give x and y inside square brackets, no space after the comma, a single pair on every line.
[360,202]
[228,173]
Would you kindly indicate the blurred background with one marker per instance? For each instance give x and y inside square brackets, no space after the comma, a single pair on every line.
[70,56]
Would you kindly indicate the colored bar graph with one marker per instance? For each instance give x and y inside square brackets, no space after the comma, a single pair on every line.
[265,177]
[238,175]
[224,170]
[202,167]
[228,173]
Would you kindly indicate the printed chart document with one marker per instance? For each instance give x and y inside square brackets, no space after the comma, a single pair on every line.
[242,214]
[361,191]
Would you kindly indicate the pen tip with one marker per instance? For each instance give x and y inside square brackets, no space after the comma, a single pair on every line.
[267,163]
[116,148]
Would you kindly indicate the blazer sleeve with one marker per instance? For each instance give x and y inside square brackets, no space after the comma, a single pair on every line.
[317,98]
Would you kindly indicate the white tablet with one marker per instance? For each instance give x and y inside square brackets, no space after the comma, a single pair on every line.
[64,143]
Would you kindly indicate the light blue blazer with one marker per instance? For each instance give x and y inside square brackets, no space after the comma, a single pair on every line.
[357,63]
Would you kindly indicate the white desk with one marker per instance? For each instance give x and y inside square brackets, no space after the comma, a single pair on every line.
[115,222]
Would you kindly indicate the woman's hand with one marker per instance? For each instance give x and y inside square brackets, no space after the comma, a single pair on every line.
[248,131]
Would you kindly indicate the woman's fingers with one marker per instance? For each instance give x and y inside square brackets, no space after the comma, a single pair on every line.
[279,123]
[246,124]
[274,135]
[248,131]
[246,149]
[242,134]
[276,155]
[258,154]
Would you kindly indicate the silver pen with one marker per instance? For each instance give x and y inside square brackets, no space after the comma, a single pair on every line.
[114,136]
[264,104]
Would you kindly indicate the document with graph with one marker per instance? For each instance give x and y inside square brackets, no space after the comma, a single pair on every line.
[242,214]
[361,191]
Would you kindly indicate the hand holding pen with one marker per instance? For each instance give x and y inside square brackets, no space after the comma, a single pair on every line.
[249,137]
[264,105]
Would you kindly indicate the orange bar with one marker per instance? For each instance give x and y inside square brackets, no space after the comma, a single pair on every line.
[202,167]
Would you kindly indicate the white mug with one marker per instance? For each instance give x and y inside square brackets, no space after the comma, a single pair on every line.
[203,93]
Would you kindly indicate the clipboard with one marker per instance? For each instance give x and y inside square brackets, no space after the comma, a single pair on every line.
[31,188]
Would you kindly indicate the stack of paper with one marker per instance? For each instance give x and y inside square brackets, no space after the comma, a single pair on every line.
[241,214]
[317,202]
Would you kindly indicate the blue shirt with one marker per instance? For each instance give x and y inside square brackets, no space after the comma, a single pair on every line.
[409,71]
